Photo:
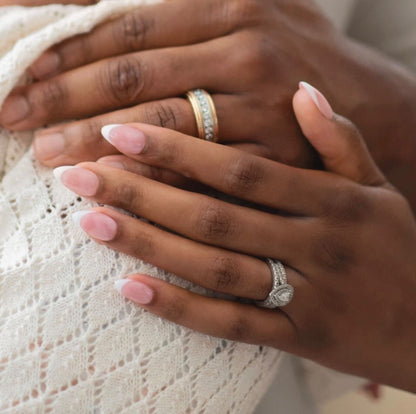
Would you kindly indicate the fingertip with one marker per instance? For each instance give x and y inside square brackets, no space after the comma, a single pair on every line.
[106,131]
[336,139]
[318,98]
[125,138]
[324,130]
[313,124]
[46,65]
[135,290]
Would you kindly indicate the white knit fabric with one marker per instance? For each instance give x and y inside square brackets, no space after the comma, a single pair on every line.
[69,343]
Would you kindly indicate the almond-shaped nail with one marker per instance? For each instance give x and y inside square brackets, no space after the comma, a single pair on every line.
[319,99]
[79,180]
[125,138]
[97,225]
[135,291]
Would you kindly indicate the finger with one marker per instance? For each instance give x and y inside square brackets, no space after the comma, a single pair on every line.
[117,82]
[74,142]
[338,142]
[68,144]
[154,173]
[216,269]
[164,175]
[195,216]
[226,169]
[150,27]
[215,317]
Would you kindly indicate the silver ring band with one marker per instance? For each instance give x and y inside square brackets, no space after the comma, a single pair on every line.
[281,293]
[205,114]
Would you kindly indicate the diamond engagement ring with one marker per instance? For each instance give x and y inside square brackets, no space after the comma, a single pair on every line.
[281,293]
[205,114]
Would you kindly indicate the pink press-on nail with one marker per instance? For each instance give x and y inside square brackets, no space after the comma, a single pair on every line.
[320,101]
[125,138]
[97,225]
[79,180]
[135,291]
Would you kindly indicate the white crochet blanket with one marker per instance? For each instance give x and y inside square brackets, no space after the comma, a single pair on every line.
[68,342]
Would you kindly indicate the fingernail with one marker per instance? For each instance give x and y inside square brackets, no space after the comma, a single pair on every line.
[49,145]
[79,180]
[46,65]
[98,226]
[78,216]
[15,109]
[320,101]
[126,139]
[136,291]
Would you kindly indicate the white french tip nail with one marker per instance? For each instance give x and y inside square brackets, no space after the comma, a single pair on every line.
[118,284]
[57,172]
[78,215]
[311,90]
[106,131]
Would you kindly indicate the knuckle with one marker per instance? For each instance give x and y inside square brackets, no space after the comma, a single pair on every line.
[131,32]
[225,274]
[258,60]
[163,114]
[83,140]
[126,196]
[347,204]
[53,95]
[122,80]
[243,175]
[214,222]
[89,134]
[143,245]
[154,173]
[166,152]
[174,310]
[239,329]
[329,252]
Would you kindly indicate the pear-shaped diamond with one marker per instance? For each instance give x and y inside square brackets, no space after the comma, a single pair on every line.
[282,295]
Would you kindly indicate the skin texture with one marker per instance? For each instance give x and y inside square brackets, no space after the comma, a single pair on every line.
[249,54]
[345,235]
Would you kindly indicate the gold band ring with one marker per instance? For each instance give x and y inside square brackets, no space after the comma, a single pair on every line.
[205,114]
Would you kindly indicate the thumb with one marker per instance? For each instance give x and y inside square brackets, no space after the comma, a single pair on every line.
[338,142]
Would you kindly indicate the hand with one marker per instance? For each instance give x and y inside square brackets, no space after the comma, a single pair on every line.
[248,53]
[152,57]
[346,237]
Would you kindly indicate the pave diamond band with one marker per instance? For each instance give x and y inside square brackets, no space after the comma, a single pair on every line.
[281,293]
[205,114]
